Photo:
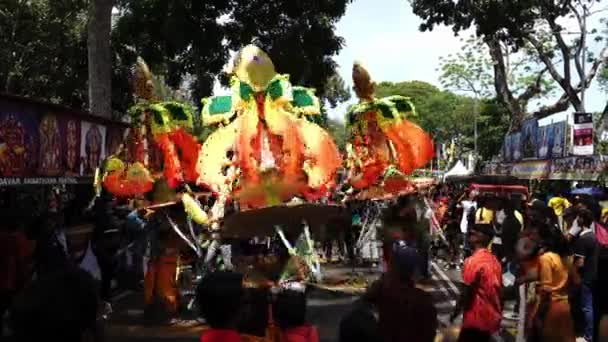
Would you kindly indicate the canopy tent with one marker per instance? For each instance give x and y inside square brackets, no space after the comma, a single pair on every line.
[458,170]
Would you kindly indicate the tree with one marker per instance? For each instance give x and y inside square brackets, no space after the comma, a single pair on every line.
[100,57]
[177,39]
[506,26]
[299,36]
[449,117]
[336,91]
[43,50]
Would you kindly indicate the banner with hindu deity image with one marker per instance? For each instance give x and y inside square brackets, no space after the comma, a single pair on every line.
[50,152]
[92,146]
[70,141]
[18,141]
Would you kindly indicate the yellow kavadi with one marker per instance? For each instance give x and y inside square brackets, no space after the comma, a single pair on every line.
[266,150]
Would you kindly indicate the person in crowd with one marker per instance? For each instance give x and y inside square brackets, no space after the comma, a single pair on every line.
[469,206]
[405,312]
[219,297]
[559,203]
[511,223]
[480,298]
[586,251]
[360,324]
[551,319]
[51,254]
[62,306]
[452,232]
[15,250]
[289,313]
[106,243]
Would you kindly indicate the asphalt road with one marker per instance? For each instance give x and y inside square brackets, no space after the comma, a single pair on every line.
[325,309]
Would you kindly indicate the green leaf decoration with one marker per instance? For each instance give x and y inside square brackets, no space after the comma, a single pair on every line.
[385,110]
[245,91]
[178,111]
[275,89]
[157,115]
[220,105]
[301,98]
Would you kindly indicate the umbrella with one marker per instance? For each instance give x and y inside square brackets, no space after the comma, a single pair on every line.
[262,222]
[591,191]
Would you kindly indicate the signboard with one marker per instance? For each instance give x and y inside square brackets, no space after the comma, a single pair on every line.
[577,168]
[529,139]
[582,134]
[558,148]
[42,143]
[516,146]
[531,169]
[12,181]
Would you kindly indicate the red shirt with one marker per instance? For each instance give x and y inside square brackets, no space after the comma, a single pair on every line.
[220,335]
[305,333]
[485,312]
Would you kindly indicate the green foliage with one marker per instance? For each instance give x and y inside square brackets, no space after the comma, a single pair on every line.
[447,116]
[336,91]
[43,50]
[338,132]
[298,36]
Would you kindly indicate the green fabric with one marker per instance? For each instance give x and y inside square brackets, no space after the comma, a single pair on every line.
[301,98]
[158,116]
[245,91]
[385,109]
[275,89]
[220,105]
[178,111]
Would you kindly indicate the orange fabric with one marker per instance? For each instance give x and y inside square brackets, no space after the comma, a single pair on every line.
[189,150]
[171,164]
[413,145]
[553,276]
[120,185]
[160,281]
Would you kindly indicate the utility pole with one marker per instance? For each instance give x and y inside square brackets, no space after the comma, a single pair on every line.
[475,114]
[584,48]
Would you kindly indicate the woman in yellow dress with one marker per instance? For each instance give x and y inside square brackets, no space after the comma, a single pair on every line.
[551,320]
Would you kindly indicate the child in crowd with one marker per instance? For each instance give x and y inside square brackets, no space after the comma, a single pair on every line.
[289,313]
[219,298]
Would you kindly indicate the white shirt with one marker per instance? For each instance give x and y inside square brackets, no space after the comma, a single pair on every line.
[466,209]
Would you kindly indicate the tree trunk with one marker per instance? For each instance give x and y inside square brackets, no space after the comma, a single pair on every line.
[100,57]
[501,84]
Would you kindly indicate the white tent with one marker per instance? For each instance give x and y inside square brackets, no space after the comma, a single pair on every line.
[458,170]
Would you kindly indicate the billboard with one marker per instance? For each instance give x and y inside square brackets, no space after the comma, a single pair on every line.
[529,139]
[42,143]
[582,134]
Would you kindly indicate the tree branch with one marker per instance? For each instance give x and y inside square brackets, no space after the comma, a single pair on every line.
[579,48]
[563,82]
[533,89]
[560,105]
[562,46]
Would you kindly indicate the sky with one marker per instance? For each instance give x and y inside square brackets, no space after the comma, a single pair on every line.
[384,35]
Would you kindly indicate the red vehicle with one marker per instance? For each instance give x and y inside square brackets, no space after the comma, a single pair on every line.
[513,191]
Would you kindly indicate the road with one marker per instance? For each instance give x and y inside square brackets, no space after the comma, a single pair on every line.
[325,309]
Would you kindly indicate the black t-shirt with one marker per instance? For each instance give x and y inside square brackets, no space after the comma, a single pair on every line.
[586,247]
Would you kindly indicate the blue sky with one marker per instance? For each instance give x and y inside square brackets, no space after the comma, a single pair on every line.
[384,35]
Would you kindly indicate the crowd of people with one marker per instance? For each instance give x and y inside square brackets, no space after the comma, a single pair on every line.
[555,248]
